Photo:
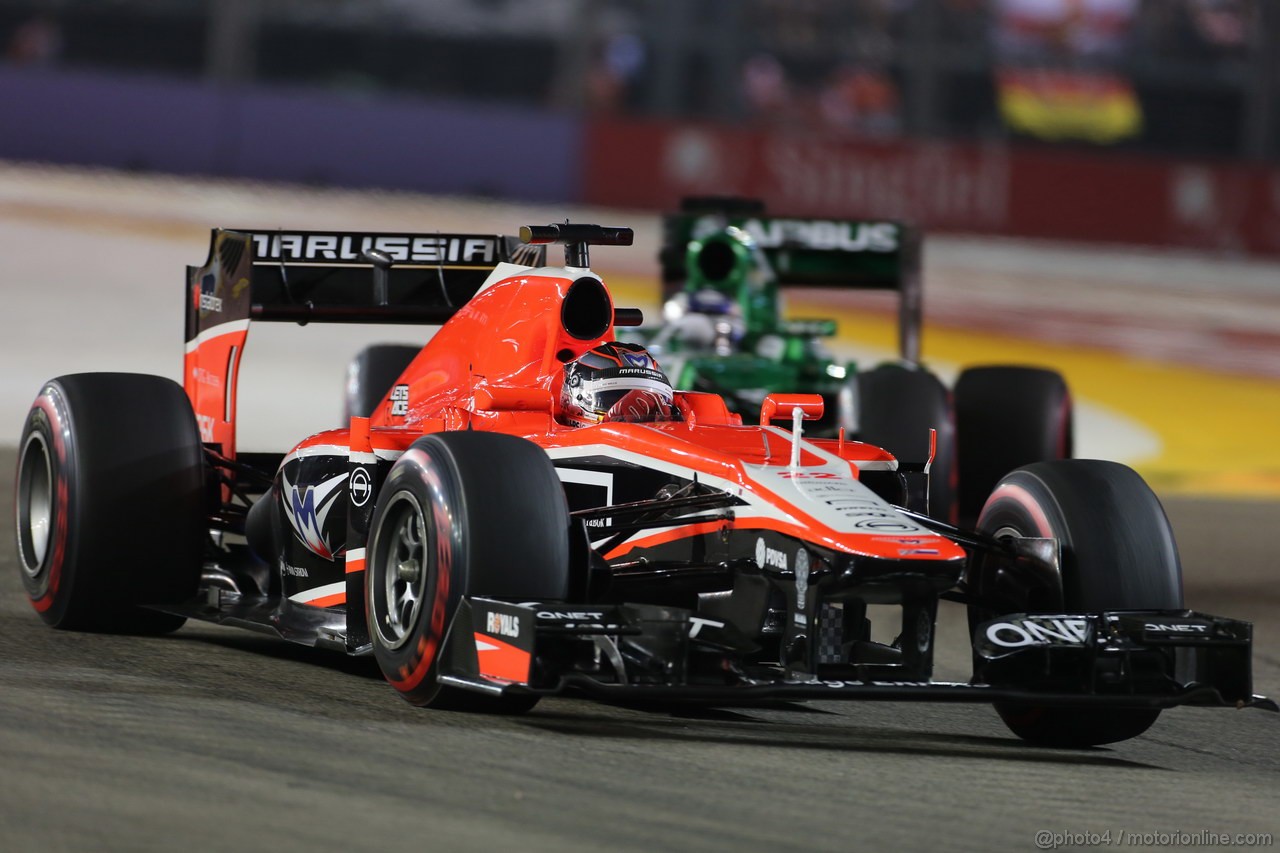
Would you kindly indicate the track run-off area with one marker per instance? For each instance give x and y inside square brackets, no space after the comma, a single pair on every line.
[224,740]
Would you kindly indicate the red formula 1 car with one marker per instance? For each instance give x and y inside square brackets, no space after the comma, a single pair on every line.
[487,553]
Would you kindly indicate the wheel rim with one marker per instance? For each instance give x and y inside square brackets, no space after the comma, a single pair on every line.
[35,504]
[402,558]
[1007,532]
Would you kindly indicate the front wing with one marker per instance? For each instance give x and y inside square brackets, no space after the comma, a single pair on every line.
[633,652]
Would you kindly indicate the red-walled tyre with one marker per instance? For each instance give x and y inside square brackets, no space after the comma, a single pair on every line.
[110,502]
[1117,553]
[461,513]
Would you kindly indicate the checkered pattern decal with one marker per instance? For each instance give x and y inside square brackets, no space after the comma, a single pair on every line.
[831,633]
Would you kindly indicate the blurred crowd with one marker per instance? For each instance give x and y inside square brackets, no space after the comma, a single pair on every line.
[850,64]
[1166,74]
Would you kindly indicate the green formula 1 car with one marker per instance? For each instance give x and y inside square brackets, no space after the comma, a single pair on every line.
[725,265]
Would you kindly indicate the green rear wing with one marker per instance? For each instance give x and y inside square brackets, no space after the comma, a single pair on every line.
[859,254]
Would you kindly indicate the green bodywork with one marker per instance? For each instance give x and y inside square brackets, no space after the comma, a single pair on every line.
[732,270]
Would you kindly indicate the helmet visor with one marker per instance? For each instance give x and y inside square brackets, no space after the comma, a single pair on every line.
[632,400]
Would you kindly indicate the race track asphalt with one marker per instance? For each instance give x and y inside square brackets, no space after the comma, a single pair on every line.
[215,739]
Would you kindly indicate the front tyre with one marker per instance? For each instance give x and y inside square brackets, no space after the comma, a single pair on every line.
[110,502]
[1117,553]
[461,514]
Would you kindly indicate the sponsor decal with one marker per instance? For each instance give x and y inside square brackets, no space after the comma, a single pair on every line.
[858,507]
[400,401]
[206,423]
[206,298]
[802,577]
[1038,631]
[924,183]
[307,508]
[350,248]
[636,359]
[502,624]
[766,556]
[571,615]
[824,235]
[577,618]
[883,525]
[697,623]
[1176,627]
[808,475]
[294,571]
[361,487]
[205,376]
[916,552]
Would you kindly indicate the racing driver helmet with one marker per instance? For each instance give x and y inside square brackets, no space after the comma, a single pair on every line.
[615,382]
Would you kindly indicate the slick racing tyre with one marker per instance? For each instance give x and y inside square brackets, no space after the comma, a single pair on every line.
[370,376]
[1007,417]
[461,514]
[110,502]
[1117,553]
[897,406]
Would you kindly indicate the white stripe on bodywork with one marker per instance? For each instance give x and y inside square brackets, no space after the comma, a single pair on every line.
[217,331]
[833,497]
[831,458]
[319,592]
[340,450]
[762,508]
[581,477]
[316,450]
[505,270]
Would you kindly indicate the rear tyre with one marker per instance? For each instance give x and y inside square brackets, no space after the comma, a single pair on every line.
[461,513]
[110,502]
[1007,417]
[370,376]
[897,406]
[1118,553]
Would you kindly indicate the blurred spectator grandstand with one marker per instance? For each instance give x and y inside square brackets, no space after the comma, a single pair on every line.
[1192,77]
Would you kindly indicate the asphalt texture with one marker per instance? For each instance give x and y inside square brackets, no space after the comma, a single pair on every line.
[217,739]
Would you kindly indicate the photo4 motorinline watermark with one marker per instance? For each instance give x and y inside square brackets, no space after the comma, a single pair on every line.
[1050,840]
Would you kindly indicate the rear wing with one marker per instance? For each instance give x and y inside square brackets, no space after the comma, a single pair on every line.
[860,254]
[328,277]
[321,277]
